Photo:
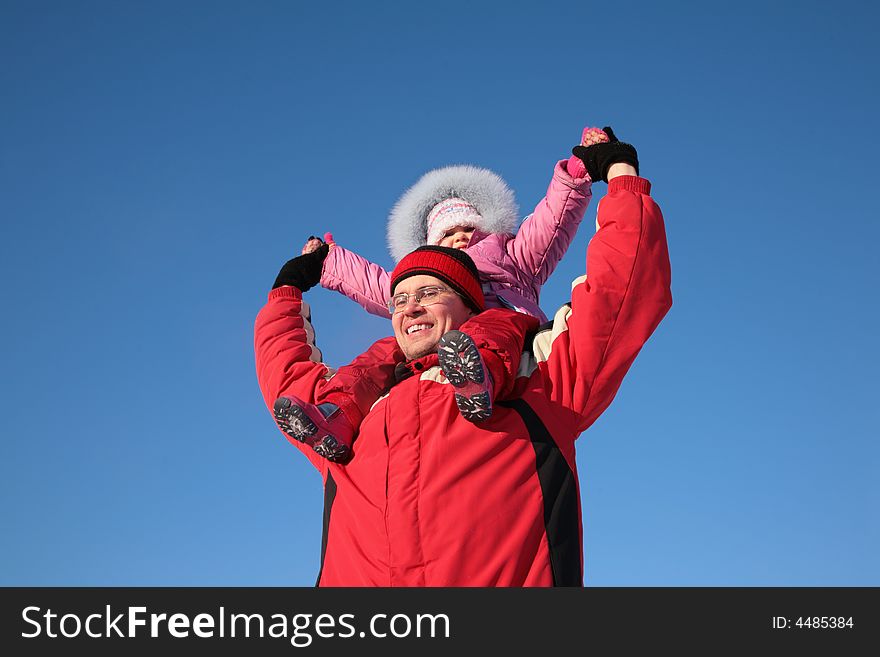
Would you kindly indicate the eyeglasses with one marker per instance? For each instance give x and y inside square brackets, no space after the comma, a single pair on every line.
[424,297]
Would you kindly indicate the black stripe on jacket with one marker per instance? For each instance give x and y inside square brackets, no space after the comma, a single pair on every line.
[558,488]
[329,496]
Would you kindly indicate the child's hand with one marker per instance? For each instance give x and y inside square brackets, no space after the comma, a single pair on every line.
[594,136]
[311,244]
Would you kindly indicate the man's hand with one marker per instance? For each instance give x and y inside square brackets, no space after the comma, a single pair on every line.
[590,136]
[303,271]
[599,157]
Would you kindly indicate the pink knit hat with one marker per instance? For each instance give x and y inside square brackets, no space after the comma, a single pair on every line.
[449,213]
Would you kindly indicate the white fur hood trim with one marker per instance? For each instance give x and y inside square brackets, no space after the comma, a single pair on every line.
[485,190]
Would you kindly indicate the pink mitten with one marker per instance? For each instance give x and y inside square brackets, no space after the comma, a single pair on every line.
[593,136]
[311,244]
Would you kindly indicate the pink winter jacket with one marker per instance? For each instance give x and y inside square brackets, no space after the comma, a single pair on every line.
[512,267]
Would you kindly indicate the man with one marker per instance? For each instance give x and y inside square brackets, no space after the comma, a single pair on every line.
[430,499]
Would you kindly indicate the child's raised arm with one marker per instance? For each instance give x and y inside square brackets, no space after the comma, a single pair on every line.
[357,278]
[546,234]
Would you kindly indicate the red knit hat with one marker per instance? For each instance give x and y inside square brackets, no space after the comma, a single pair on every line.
[452,266]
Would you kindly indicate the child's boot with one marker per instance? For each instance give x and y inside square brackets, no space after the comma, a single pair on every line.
[324,427]
[462,364]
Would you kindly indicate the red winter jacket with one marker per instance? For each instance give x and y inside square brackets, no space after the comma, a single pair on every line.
[430,499]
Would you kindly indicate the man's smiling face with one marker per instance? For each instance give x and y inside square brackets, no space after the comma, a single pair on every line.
[417,328]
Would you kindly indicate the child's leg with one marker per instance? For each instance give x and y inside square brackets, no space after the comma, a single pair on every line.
[482,358]
[500,335]
[330,424]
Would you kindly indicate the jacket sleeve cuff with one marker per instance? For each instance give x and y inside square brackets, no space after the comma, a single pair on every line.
[560,172]
[285,291]
[630,184]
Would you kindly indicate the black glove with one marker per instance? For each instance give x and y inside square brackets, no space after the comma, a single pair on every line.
[303,271]
[598,158]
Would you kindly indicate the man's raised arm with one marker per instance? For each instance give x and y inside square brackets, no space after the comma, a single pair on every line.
[616,306]
[284,342]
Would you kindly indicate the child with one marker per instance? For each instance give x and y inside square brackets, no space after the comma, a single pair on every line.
[470,208]
[462,208]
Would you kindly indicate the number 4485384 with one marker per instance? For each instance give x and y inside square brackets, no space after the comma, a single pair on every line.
[823,622]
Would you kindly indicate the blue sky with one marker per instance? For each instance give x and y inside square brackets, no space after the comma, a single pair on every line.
[160,161]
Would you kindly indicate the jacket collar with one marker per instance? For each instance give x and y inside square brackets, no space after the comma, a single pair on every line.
[477,236]
[403,371]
